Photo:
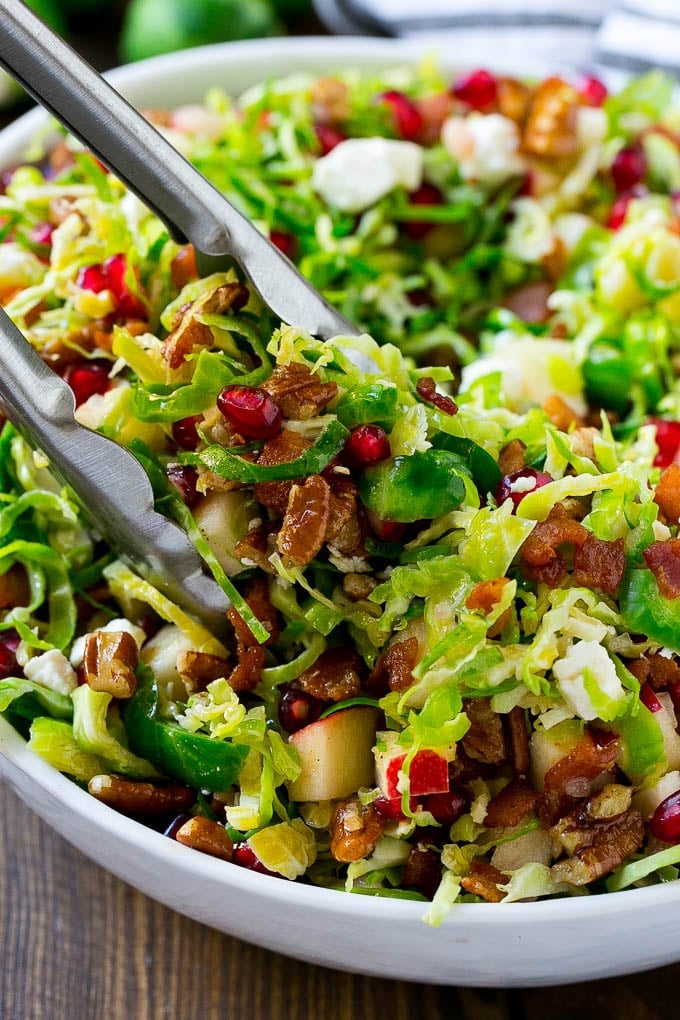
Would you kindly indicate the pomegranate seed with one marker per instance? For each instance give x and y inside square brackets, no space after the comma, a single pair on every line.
[110,275]
[649,699]
[667,441]
[508,488]
[446,808]
[328,137]
[284,242]
[420,297]
[297,709]
[426,194]
[629,168]
[390,807]
[8,660]
[245,857]
[366,444]
[478,90]
[427,389]
[92,278]
[407,118]
[184,478]
[251,410]
[87,379]
[41,234]
[386,531]
[592,90]
[184,432]
[674,691]
[665,822]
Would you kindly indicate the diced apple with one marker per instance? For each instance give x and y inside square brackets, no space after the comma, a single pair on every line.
[668,722]
[335,754]
[428,772]
[546,747]
[222,518]
[647,801]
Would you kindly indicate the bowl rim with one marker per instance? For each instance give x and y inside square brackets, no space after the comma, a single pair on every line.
[15,757]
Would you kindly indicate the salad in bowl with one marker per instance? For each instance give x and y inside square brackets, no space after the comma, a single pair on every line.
[450,543]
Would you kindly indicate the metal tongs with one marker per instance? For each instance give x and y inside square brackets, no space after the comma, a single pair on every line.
[111,485]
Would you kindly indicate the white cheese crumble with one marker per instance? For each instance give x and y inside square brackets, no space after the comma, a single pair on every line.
[485,146]
[52,670]
[569,674]
[522,485]
[360,171]
[112,627]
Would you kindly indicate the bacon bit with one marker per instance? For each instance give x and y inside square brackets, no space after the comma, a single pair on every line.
[394,667]
[551,128]
[585,762]
[540,551]
[511,458]
[14,589]
[330,100]
[427,389]
[610,845]
[600,564]
[305,522]
[298,391]
[423,869]
[198,669]
[667,494]
[656,670]
[484,740]
[333,677]
[343,531]
[529,302]
[663,559]
[255,547]
[486,594]
[188,333]
[517,737]
[513,99]
[510,806]
[562,416]
[250,655]
[281,449]
[483,880]
[355,829]
[183,266]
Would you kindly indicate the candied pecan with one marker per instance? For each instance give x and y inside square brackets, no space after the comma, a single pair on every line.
[358,586]
[110,661]
[138,798]
[207,836]
[483,880]
[511,457]
[560,413]
[513,98]
[423,869]
[611,845]
[394,667]
[518,740]
[298,391]
[343,531]
[540,551]
[253,549]
[304,524]
[551,128]
[663,559]
[484,740]
[188,333]
[330,100]
[573,772]
[600,564]
[486,594]
[333,677]
[198,669]
[667,493]
[355,828]
[530,301]
[250,655]
[510,806]
[14,589]
[427,389]
[281,449]
[183,266]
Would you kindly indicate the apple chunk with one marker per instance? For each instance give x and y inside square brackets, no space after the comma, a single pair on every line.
[428,772]
[336,754]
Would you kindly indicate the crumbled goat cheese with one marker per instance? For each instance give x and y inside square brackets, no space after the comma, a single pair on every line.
[484,145]
[53,670]
[360,171]
[569,673]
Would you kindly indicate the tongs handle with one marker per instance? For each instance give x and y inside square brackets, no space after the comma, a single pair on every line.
[191,208]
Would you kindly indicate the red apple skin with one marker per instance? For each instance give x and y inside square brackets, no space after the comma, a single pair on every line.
[428,773]
[336,755]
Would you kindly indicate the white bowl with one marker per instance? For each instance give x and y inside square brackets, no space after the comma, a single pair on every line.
[549,942]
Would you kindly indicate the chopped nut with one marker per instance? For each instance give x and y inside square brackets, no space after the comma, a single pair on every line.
[355,829]
[333,677]
[423,869]
[110,661]
[586,762]
[513,98]
[254,548]
[612,843]
[281,449]
[250,654]
[583,441]
[510,806]
[511,457]
[207,836]
[394,667]
[518,740]
[305,522]
[551,129]
[198,669]
[298,391]
[343,530]
[484,740]
[483,880]
[190,333]
[137,798]
[358,586]
[330,100]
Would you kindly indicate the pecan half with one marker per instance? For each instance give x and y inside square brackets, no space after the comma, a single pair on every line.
[305,522]
[483,880]
[610,845]
[281,449]
[110,661]
[137,798]
[355,828]
[207,836]
[188,333]
[198,669]
[485,739]
[298,391]
[333,677]
[551,127]
[343,531]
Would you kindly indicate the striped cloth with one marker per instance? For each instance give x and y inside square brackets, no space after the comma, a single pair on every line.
[626,35]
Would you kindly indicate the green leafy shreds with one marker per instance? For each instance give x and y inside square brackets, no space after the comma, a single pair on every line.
[47,575]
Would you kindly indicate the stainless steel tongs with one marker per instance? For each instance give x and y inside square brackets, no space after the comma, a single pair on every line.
[109,482]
